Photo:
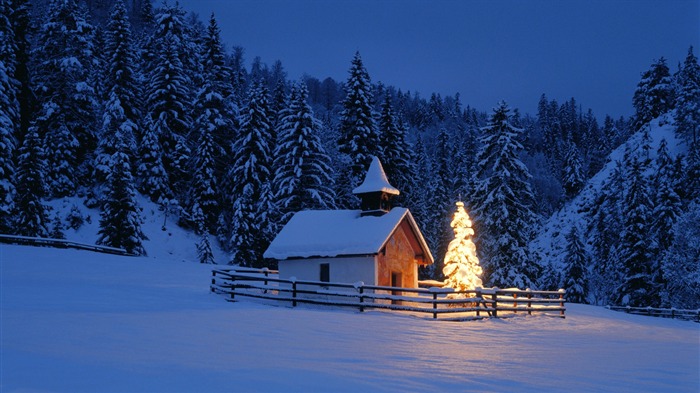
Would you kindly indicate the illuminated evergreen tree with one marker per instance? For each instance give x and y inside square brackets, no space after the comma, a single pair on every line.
[461,266]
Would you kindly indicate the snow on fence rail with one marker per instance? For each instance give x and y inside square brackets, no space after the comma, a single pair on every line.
[462,305]
[689,315]
[60,243]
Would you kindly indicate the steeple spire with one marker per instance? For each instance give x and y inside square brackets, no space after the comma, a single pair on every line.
[375,191]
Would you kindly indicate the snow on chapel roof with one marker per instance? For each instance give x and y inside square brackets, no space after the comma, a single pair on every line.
[375,180]
[330,233]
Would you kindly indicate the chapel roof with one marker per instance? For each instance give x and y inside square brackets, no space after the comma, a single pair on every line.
[332,233]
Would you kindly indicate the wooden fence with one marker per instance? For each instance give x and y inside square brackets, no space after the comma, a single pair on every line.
[444,302]
[688,315]
[60,243]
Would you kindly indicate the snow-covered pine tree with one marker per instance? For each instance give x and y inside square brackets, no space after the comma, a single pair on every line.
[680,263]
[22,29]
[122,88]
[31,218]
[576,268]
[573,178]
[204,251]
[120,223]
[443,195]
[636,288]
[250,178]
[396,150]
[654,94]
[691,179]
[502,202]
[358,132]
[667,204]
[152,177]
[420,203]
[461,265]
[205,194]
[216,104]
[303,178]
[688,100]
[57,228]
[66,94]
[169,92]
[605,225]
[7,150]
[9,111]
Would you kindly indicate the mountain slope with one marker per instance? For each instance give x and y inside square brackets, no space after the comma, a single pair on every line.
[550,243]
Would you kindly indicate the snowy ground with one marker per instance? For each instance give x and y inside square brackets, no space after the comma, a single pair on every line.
[77,321]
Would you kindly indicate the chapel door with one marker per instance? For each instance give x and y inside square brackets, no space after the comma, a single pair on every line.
[396,282]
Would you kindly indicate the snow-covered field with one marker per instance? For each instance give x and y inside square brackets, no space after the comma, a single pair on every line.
[77,321]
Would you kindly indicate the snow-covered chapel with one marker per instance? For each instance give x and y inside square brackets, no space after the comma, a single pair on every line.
[378,245]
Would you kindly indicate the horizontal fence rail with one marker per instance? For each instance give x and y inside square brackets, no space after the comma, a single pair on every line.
[443,302]
[688,315]
[60,243]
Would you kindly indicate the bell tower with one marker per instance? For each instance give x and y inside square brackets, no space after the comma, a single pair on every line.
[375,192]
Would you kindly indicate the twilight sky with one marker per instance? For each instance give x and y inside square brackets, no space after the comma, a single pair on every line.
[593,50]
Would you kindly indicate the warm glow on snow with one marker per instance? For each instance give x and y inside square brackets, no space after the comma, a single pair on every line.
[461,266]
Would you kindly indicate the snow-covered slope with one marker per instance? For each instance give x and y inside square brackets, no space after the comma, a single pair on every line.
[76,321]
[166,240]
[550,242]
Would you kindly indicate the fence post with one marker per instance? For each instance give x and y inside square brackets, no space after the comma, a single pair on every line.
[479,302]
[233,287]
[515,302]
[265,272]
[294,293]
[561,302]
[434,304]
[494,297]
[529,303]
[361,289]
[213,280]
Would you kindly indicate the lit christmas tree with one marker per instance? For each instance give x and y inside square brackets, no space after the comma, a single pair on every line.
[461,266]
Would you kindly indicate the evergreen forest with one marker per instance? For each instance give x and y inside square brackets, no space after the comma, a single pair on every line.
[125,100]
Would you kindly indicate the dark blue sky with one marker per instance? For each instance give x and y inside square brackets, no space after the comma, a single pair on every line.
[593,50]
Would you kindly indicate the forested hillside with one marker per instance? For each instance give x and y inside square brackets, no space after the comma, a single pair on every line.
[108,100]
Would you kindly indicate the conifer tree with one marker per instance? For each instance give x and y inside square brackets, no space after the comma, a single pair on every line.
[9,115]
[667,204]
[205,189]
[396,150]
[680,263]
[461,265]
[637,287]
[573,178]
[153,179]
[654,94]
[120,223]
[7,150]
[250,178]
[66,94]
[358,133]
[303,178]
[605,224]
[502,200]
[688,100]
[576,268]
[31,218]
[121,85]
[169,90]
[204,251]
[443,195]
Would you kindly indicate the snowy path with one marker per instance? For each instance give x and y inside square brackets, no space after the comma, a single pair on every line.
[75,321]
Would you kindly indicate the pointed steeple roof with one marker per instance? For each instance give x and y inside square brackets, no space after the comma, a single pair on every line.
[375,180]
